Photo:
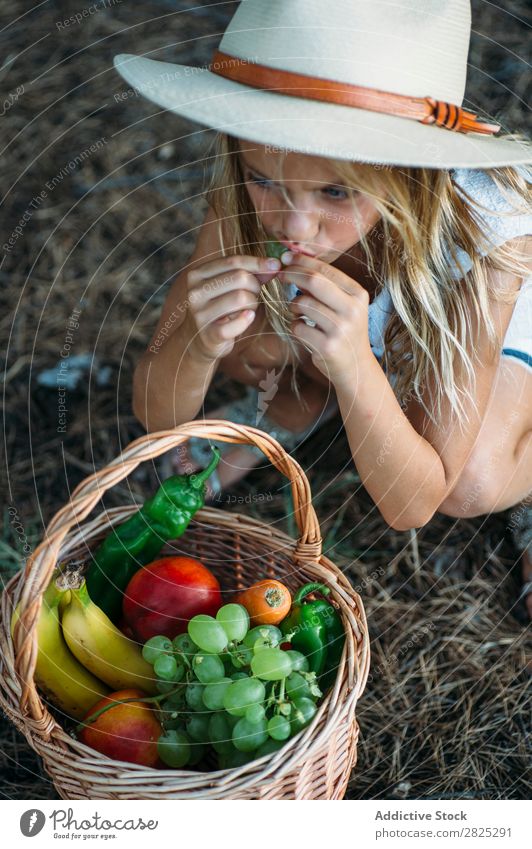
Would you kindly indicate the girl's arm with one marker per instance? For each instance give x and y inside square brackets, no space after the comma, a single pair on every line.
[463,450]
[402,472]
[408,465]
[169,385]
[209,305]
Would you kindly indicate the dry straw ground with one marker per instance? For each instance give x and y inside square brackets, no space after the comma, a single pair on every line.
[445,711]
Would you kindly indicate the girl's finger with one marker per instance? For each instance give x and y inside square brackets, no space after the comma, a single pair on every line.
[311,336]
[237,324]
[228,264]
[320,288]
[229,304]
[208,291]
[325,319]
[313,275]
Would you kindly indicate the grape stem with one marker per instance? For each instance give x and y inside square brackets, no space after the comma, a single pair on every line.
[103,709]
[184,658]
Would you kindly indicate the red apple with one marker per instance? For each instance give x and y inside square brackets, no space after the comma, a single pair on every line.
[125,732]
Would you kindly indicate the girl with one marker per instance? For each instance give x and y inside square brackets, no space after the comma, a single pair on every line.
[404,298]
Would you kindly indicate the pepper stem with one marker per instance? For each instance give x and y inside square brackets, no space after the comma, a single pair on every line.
[306,589]
[197,480]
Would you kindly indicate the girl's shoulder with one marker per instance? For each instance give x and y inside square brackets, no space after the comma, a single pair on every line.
[476,187]
[493,208]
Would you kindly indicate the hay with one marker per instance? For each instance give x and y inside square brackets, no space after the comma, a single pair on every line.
[444,712]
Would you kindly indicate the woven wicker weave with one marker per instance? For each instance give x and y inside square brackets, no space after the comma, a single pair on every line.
[316,763]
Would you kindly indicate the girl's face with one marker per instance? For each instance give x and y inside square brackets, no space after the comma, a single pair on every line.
[321,219]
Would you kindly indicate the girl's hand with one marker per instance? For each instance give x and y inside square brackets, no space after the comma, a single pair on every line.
[339,305]
[222,301]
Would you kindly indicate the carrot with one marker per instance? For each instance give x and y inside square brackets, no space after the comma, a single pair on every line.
[267,602]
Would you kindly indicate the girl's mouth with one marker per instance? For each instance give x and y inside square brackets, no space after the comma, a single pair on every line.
[294,248]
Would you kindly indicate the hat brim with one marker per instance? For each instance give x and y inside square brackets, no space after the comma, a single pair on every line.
[309,126]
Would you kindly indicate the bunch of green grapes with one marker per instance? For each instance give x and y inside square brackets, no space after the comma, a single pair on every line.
[228,687]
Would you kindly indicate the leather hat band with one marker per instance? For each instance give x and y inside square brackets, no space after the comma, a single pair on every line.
[427,110]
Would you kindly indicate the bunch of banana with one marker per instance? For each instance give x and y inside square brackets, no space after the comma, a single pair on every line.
[102,648]
[60,677]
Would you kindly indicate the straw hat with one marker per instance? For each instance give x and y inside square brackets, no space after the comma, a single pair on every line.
[367,80]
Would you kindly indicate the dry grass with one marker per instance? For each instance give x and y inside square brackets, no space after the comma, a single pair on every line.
[443,715]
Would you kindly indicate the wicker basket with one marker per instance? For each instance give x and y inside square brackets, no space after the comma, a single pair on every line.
[317,762]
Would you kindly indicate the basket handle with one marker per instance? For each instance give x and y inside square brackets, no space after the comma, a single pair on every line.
[42,561]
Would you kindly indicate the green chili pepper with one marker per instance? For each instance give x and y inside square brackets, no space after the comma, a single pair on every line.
[315,629]
[140,538]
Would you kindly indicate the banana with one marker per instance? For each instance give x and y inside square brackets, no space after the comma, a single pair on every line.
[102,648]
[59,676]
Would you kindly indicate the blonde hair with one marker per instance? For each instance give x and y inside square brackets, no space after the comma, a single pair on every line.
[423,210]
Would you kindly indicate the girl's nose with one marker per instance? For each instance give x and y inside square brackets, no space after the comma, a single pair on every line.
[299,226]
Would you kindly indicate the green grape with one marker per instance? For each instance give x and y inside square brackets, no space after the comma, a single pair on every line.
[207,633]
[232,720]
[213,694]
[184,645]
[299,661]
[175,724]
[279,728]
[175,702]
[285,708]
[180,674]
[194,696]
[255,713]
[208,668]
[170,717]
[248,736]
[234,619]
[303,712]
[297,687]
[167,668]
[263,632]
[155,647]
[234,759]
[241,656]
[220,730]
[271,665]
[197,727]
[269,747]
[165,686]
[275,249]
[174,748]
[243,693]
[261,644]
[197,751]
[235,676]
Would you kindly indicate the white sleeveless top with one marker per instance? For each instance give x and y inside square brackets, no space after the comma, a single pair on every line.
[499,229]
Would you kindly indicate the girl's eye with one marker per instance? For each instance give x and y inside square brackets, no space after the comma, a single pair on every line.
[340,193]
[266,184]
[260,182]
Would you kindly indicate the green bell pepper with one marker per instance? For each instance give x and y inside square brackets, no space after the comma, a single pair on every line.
[140,538]
[315,629]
